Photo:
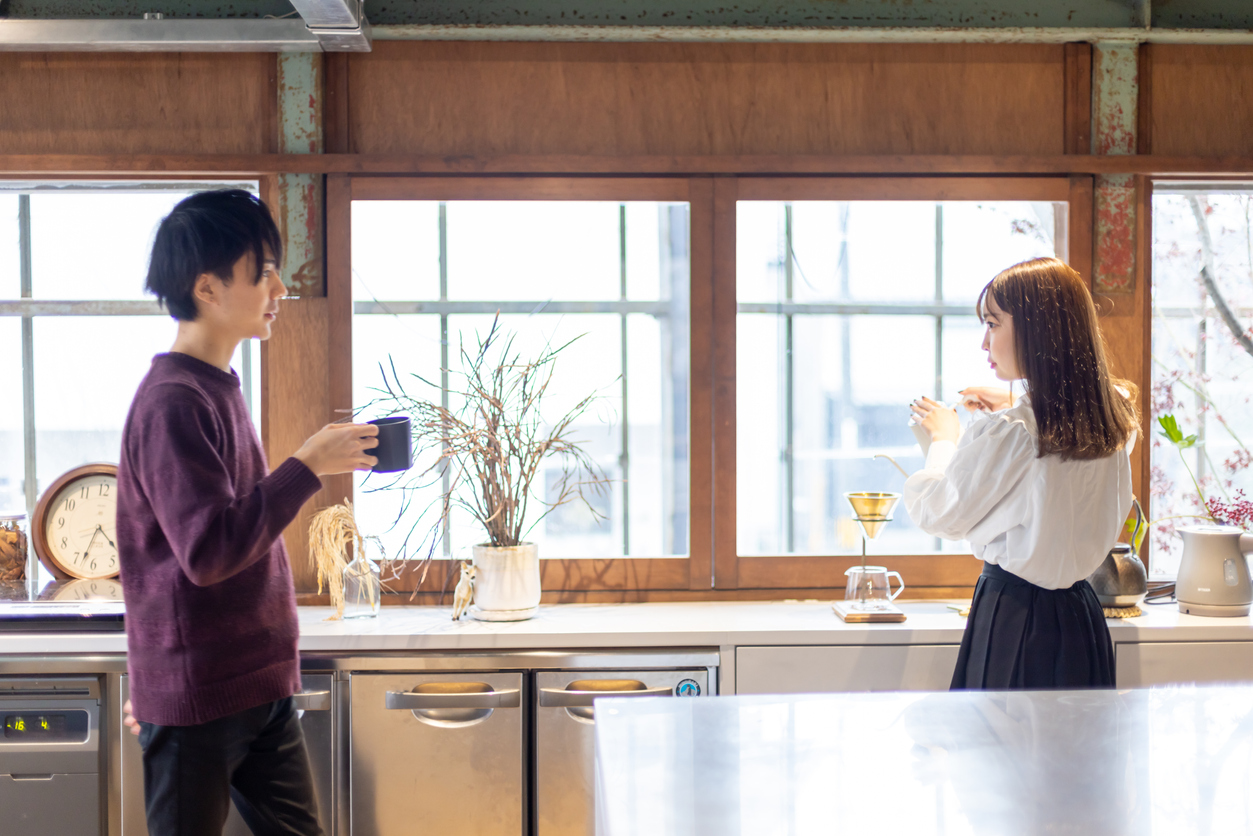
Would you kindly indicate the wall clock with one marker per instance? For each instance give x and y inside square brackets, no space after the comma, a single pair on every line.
[74,530]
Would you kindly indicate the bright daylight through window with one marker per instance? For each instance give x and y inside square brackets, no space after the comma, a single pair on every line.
[847,311]
[77,331]
[1202,361]
[428,279]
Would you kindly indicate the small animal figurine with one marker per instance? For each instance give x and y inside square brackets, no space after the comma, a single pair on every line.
[464,592]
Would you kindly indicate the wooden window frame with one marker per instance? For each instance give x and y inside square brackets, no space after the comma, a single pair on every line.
[713,567]
[926,575]
[569,578]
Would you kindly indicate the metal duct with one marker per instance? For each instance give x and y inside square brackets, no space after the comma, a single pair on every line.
[339,25]
[191,34]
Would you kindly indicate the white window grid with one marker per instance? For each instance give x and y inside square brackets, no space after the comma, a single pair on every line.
[28,308]
[789,309]
[672,312]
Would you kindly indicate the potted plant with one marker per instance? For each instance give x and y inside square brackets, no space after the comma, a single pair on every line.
[490,444]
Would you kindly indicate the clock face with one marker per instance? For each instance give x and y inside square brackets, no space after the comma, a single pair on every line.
[80,528]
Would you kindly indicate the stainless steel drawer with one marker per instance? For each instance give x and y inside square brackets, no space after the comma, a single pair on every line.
[437,753]
[565,739]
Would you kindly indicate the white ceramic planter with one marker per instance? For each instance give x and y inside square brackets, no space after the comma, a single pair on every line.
[506,582]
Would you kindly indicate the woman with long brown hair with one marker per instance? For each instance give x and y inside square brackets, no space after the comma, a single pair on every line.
[1040,487]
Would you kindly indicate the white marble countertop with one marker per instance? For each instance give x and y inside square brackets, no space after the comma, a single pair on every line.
[1166,761]
[703,624]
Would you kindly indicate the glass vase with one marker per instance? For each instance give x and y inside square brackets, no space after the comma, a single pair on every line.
[362,584]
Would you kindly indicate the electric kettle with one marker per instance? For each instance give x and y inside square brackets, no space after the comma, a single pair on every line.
[1214,573]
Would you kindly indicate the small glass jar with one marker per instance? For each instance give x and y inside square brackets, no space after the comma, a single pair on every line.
[363,585]
[16,557]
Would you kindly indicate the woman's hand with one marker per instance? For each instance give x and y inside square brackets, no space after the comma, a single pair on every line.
[940,422]
[986,398]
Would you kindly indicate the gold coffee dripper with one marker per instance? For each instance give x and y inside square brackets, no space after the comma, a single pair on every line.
[872,510]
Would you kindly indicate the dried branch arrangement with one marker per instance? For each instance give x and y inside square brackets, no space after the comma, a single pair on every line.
[333,536]
[491,443]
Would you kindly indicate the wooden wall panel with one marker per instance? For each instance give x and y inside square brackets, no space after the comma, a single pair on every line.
[467,99]
[1199,99]
[295,397]
[117,103]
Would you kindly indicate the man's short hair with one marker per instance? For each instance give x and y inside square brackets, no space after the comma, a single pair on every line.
[207,233]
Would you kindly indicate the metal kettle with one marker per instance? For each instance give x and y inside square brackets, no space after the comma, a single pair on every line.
[1213,571]
[1121,580]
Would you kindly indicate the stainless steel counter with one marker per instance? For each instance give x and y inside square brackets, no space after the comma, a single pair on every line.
[1164,761]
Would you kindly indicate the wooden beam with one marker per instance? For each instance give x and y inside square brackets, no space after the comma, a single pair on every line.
[1078,99]
[702,408]
[253,165]
[723,428]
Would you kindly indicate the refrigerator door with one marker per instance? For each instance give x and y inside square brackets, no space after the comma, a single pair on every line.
[565,742]
[442,753]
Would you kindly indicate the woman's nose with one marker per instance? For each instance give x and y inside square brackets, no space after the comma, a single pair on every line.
[984,345]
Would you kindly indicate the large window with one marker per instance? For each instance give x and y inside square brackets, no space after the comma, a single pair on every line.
[755,341]
[846,311]
[1202,355]
[77,332]
[428,278]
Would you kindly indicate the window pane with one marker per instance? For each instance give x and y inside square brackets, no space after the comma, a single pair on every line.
[12,463]
[1200,371]
[395,250]
[10,258]
[982,239]
[965,363]
[842,413]
[87,369]
[533,251]
[94,246]
[820,391]
[550,250]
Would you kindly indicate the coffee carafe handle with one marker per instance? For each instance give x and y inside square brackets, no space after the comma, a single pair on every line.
[899,589]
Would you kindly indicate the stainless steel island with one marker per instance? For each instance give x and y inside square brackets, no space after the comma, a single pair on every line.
[1164,761]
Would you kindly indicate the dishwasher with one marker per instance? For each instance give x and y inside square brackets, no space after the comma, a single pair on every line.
[50,756]
[318,720]
[494,744]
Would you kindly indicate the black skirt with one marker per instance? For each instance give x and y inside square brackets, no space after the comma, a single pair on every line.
[1022,636]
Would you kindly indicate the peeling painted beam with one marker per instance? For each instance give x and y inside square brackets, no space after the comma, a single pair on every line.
[1115,95]
[300,196]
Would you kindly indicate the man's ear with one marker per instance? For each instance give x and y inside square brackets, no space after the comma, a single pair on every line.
[205,289]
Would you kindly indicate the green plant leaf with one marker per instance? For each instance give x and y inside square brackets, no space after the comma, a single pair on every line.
[1172,433]
[1170,429]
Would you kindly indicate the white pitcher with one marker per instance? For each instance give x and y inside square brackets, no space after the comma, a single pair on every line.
[1214,572]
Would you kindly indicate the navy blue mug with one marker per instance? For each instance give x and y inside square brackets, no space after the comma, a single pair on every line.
[394,450]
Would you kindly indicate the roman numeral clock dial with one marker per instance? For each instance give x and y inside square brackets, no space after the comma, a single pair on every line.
[75,524]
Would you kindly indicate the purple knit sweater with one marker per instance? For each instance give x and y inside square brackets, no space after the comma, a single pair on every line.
[210,608]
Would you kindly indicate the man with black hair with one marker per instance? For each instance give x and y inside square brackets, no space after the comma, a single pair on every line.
[211,624]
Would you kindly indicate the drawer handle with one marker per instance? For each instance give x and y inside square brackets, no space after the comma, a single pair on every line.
[312,701]
[560,698]
[407,700]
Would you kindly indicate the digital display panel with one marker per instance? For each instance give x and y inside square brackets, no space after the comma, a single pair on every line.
[45,726]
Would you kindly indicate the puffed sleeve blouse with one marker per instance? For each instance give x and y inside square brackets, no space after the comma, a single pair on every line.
[1048,521]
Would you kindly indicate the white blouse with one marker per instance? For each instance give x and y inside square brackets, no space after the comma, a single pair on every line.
[1048,521]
